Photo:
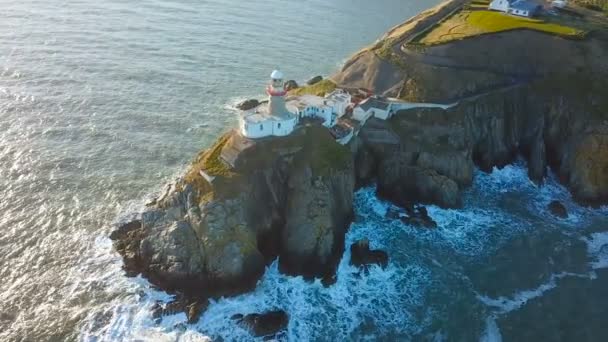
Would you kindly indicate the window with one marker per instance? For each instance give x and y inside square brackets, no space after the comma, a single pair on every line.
[279,125]
[261,127]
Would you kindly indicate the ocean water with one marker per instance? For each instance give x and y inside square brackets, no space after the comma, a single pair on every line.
[101,103]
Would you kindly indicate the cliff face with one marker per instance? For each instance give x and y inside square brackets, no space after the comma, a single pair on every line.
[428,155]
[285,197]
[518,92]
[292,197]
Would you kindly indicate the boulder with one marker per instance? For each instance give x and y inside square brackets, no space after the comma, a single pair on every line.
[361,256]
[264,324]
[248,104]
[558,209]
[291,85]
[314,80]
[419,217]
[192,307]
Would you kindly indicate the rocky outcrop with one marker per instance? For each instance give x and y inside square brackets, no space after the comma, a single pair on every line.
[362,256]
[245,203]
[248,104]
[558,209]
[266,324]
[428,155]
[319,213]
[212,233]
[291,85]
[314,80]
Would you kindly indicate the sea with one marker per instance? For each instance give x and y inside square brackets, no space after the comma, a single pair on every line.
[104,102]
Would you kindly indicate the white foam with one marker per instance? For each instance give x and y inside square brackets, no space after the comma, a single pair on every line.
[597,248]
[503,305]
[388,300]
[491,332]
[507,304]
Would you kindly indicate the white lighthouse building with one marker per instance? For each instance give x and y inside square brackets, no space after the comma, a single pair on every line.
[272,118]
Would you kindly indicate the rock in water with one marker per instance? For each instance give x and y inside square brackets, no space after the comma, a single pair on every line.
[291,85]
[419,217]
[361,256]
[265,324]
[558,209]
[314,80]
[248,104]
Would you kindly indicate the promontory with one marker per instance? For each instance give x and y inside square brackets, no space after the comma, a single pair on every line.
[458,87]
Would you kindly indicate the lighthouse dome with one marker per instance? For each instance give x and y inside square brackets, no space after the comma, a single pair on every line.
[276,75]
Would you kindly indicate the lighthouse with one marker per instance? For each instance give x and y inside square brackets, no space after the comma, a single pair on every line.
[271,118]
[276,94]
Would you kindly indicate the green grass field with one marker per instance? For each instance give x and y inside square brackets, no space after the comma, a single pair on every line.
[473,23]
[320,89]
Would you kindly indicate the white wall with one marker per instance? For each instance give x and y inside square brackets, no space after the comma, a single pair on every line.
[360,115]
[499,5]
[283,128]
[381,114]
[257,130]
[268,128]
[326,114]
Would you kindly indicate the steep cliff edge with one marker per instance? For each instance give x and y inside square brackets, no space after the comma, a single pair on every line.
[518,92]
[244,203]
[288,197]
[429,155]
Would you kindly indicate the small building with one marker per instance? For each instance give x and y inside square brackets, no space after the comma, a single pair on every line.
[559,3]
[340,100]
[272,118]
[311,106]
[522,8]
[373,106]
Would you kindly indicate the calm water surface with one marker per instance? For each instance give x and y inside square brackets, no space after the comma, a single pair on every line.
[101,102]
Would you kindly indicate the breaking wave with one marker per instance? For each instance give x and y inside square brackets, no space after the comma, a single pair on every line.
[404,301]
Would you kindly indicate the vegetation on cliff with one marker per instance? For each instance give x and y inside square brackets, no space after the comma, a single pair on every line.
[467,24]
[320,88]
[595,5]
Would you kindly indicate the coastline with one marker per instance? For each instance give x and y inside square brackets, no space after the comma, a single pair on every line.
[429,159]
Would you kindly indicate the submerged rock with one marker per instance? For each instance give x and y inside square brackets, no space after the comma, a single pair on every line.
[248,104]
[264,324]
[361,256]
[558,209]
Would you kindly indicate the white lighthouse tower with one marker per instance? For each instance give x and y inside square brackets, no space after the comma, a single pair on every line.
[276,93]
[272,118]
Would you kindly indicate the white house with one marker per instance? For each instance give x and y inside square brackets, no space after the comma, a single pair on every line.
[272,118]
[373,106]
[340,100]
[559,3]
[523,8]
[311,106]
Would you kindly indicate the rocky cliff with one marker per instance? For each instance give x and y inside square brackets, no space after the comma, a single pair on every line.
[429,155]
[518,92]
[244,203]
[212,235]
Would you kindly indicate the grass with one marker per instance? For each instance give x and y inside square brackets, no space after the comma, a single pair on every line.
[211,162]
[474,23]
[594,5]
[320,89]
[328,156]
